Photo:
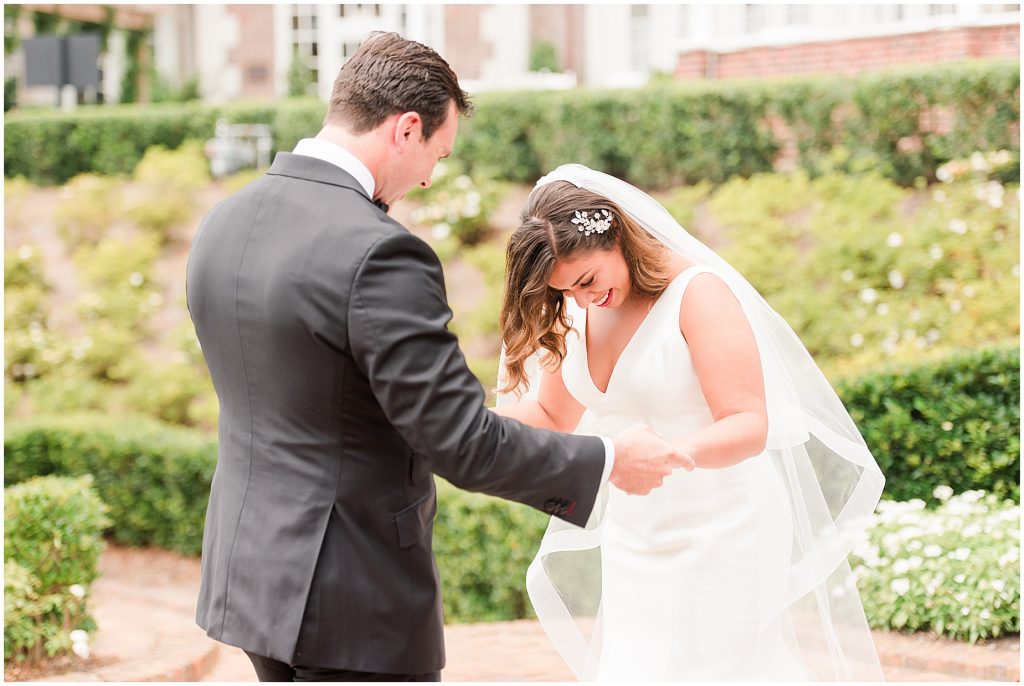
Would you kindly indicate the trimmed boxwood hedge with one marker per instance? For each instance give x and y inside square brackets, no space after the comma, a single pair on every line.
[655,137]
[954,422]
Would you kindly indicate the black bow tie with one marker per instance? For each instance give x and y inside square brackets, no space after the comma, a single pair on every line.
[382,205]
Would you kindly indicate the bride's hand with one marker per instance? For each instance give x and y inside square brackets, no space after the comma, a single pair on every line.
[643,460]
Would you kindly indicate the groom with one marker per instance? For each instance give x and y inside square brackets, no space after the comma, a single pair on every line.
[324,325]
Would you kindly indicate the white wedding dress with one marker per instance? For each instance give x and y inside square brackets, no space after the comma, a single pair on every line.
[682,568]
[720,574]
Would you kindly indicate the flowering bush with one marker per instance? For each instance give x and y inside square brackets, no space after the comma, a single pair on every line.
[167,186]
[52,542]
[954,570]
[456,205]
[868,273]
[89,204]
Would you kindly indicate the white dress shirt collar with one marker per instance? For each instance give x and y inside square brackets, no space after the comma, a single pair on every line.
[339,157]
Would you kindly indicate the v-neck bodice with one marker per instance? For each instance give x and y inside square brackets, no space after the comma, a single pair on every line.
[653,381]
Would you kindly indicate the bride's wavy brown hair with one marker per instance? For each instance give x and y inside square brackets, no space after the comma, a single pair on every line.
[533,314]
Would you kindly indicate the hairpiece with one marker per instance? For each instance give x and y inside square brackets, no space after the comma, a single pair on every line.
[596,224]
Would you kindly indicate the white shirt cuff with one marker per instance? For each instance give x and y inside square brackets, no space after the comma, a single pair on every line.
[609,458]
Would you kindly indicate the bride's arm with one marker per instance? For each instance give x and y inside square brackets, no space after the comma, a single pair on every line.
[554,408]
[728,366]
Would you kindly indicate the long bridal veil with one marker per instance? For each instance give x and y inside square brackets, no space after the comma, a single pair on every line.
[832,480]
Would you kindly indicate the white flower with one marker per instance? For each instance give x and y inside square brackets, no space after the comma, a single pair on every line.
[932,550]
[463,182]
[901,567]
[882,309]
[965,611]
[944,174]
[136,279]
[847,275]
[896,279]
[857,340]
[26,252]
[933,335]
[894,240]
[958,226]
[80,649]
[900,585]
[960,554]
[960,578]
[79,636]
[943,492]
[940,196]
[78,591]
[868,295]
[915,561]
[999,585]
[969,291]
[955,306]
[935,252]
[985,614]
[971,531]
[441,231]
[909,334]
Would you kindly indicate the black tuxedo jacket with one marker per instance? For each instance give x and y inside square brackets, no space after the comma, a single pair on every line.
[324,325]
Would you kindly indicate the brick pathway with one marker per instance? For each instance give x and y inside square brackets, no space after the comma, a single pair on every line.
[144,603]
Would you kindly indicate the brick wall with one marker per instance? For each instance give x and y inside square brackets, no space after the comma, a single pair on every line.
[854,55]
[464,48]
[254,53]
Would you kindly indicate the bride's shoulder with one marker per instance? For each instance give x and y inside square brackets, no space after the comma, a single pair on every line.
[707,301]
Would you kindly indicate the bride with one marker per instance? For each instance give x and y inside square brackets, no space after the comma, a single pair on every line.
[614,315]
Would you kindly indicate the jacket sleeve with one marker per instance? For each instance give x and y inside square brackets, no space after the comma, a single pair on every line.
[399,338]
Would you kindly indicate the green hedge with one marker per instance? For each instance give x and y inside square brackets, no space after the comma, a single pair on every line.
[155,479]
[666,135]
[52,147]
[52,541]
[954,423]
[656,137]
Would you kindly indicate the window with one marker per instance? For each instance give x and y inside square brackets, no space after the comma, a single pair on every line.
[936,10]
[347,50]
[994,9]
[887,13]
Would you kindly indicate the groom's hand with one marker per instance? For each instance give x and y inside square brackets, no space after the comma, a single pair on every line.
[643,460]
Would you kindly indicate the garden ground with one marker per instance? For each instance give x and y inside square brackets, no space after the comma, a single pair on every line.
[144,604]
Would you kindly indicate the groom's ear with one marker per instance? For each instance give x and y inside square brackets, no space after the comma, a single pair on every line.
[408,128]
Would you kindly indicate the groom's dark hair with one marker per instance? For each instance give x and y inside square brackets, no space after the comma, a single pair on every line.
[391,75]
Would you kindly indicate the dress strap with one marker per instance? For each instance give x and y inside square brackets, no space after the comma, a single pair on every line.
[671,300]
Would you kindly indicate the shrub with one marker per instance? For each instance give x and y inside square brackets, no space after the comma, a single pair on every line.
[167,185]
[456,205]
[23,268]
[52,147]
[155,479]
[168,391]
[52,542]
[868,273]
[483,547]
[954,570]
[89,204]
[953,422]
